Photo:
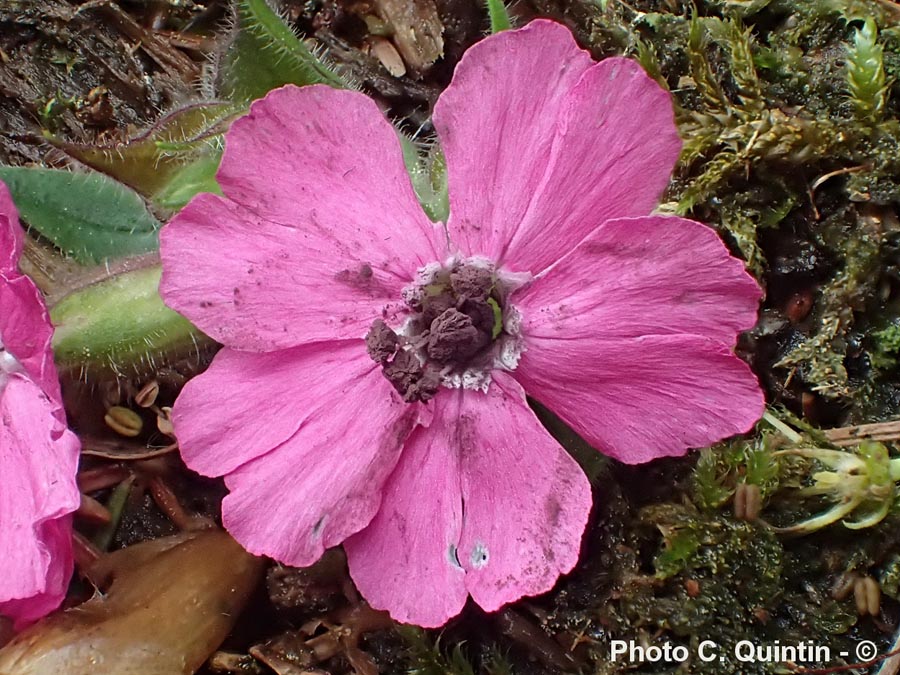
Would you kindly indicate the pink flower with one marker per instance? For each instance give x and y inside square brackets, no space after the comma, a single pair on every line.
[416,447]
[38,454]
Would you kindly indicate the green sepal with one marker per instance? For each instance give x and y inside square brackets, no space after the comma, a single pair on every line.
[120,325]
[265,54]
[89,216]
[498,15]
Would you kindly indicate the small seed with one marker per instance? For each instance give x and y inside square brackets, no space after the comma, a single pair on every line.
[124,421]
[873,596]
[147,395]
[164,421]
[387,53]
[867,594]
[747,501]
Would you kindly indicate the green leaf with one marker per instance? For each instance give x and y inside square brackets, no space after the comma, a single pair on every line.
[119,325]
[498,15]
[88,215]
[153,161]
[680,548]
[265,54]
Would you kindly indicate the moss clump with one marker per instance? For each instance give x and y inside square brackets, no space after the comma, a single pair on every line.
[791,138]
[681,569]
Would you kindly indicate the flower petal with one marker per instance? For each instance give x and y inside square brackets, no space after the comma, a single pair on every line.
[526,501]
[501,108]
[12,237]
[26,332]
[556,145]
[38,461]
[304,467]
[641,398]
[652,275]
[324,158]
[56,538]
[247,404]
[404,561]
[445,524]
[271,286]
[320,228]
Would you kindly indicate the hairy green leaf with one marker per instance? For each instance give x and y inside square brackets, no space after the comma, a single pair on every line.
[190,180]
[153,161]
[265,54]
[89,216]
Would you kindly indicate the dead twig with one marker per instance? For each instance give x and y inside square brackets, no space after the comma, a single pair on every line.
[879,431]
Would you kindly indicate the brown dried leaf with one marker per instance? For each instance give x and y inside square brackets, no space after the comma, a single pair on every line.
[171,603]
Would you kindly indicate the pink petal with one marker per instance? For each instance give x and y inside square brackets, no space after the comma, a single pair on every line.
[272,287]
[526,501]
[640,398]
[56,537]
[652,275]
[12,238]
[328,158]
[483,500]
[305,466]
[26,332]
[556,145]
[247,404]
[320,230]
[404,561]
[38,461]
[496,123]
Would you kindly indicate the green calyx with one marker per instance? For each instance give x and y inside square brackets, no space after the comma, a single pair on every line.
[120,325]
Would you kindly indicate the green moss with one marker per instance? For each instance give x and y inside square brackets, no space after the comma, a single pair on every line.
[428,657]
[865,73]
[722,467]
[790,130]
[886,348]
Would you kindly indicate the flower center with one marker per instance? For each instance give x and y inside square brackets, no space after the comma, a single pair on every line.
[460,327]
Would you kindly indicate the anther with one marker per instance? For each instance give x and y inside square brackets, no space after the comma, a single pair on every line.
[381,342]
